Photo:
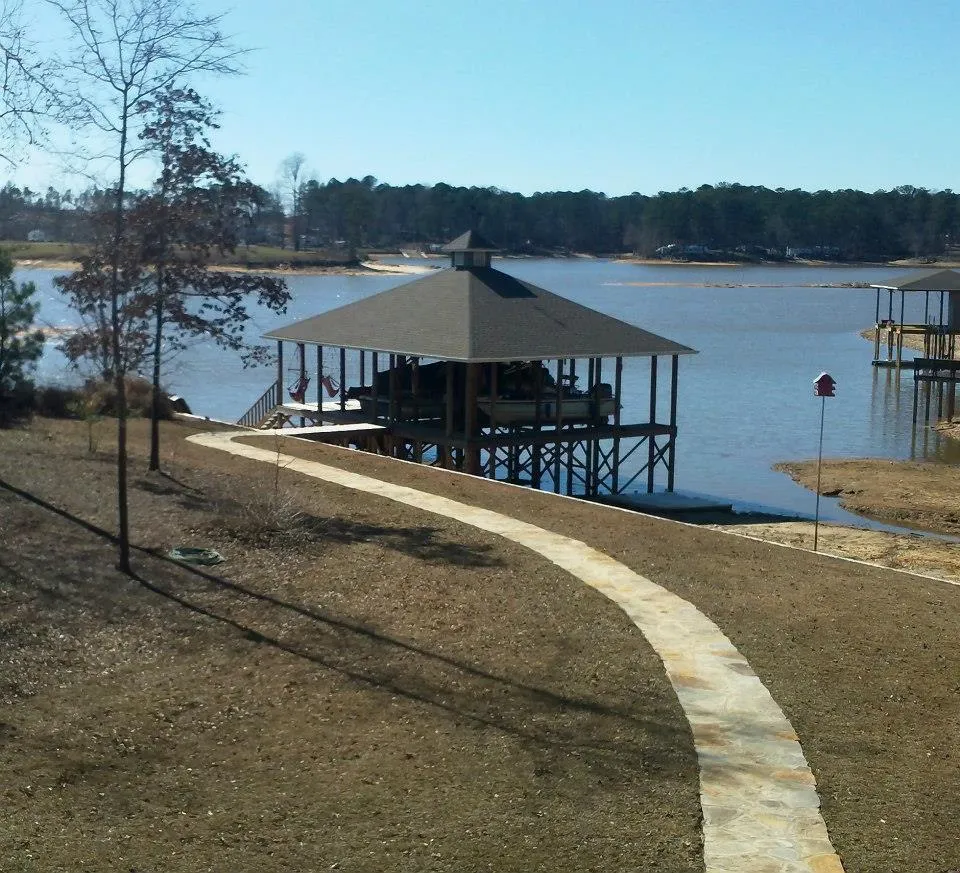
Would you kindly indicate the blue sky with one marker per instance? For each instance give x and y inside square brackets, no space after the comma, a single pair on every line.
[611,95]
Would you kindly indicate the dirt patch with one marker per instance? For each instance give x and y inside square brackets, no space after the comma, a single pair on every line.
[919,494]
[913,552]
[862,660]
[364,688]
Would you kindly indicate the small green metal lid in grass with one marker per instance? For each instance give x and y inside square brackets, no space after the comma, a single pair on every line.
[190,555]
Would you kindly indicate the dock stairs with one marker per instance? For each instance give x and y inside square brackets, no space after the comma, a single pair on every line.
[275,419]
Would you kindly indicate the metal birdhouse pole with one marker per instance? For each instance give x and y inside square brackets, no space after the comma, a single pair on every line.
[824,386]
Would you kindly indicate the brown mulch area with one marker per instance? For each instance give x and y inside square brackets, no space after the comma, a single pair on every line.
[359,687]
[921,494]
[863,661]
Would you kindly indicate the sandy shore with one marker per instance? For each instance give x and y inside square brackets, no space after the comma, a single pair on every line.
[922,495]
[914,552]
[365,269]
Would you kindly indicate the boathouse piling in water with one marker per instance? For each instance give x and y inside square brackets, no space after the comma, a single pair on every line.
[490,375]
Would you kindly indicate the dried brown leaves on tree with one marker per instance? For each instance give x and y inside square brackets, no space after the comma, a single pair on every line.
[125,52]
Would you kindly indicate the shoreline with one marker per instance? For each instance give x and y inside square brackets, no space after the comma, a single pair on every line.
[366,268]
[371,265]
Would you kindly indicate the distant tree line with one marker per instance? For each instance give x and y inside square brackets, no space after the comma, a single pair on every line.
[852,225]
[751,222]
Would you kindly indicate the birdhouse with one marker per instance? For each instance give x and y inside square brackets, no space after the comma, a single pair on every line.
[824,386]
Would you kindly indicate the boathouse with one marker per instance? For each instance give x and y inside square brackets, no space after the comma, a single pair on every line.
[472,369]
[941,320]
[936,369]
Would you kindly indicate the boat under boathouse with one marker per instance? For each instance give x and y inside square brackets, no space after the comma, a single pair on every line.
[472,369]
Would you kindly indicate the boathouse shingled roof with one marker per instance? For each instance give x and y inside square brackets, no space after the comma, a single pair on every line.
[927,280]
[476,315]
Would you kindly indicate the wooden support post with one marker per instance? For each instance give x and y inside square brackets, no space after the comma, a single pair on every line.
[651,441]
[392,415]
[617,394]
[279,371]
[876,332]
[900,332]
[595,391]
[450,408]
[363,368]
[494,393]
[674,384]
[319,385]
[375,379]
[472,465]
[589,445]
[415,391]
[536,450]
[302,367]
[558,448]
[889,324]
[343,379]
[570,450]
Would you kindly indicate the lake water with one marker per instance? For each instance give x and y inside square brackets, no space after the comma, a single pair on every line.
[745,402]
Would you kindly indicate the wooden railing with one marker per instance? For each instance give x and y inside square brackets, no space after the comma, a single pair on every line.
[268,401]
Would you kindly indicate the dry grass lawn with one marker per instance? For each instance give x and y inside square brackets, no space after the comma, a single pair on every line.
[864,661]
[360,687]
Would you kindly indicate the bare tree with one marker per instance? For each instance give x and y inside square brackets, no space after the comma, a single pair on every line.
[124,52]
[26,91]
[290,171]
[195,208]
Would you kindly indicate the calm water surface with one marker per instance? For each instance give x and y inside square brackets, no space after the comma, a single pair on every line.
[745,400]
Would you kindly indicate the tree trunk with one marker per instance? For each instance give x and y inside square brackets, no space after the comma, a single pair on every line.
[155,405]
[119,381]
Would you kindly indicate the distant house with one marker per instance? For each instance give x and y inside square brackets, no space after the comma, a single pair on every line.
[36,236]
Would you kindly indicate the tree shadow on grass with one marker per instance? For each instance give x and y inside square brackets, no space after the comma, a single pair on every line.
[610,738]
[422,542]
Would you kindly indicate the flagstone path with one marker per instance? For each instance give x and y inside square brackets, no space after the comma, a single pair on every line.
[761,811]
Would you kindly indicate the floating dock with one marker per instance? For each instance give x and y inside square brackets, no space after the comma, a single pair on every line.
[666,503]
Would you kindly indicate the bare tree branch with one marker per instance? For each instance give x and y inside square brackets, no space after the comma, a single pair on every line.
[27,92]
[125,53]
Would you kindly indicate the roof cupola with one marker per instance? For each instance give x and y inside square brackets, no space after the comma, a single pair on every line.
[470,250]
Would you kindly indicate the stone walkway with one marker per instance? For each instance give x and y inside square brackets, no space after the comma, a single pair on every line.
[761,811]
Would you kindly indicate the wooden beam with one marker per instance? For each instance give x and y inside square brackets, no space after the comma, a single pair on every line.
[559,411]
[617,395]
[535,461]
[279,371]
[374,375]
[652,447]
[319,379]
[494,394]
[674,387]
[472,460]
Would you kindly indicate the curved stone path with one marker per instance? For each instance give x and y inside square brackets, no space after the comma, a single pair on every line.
[761,811]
